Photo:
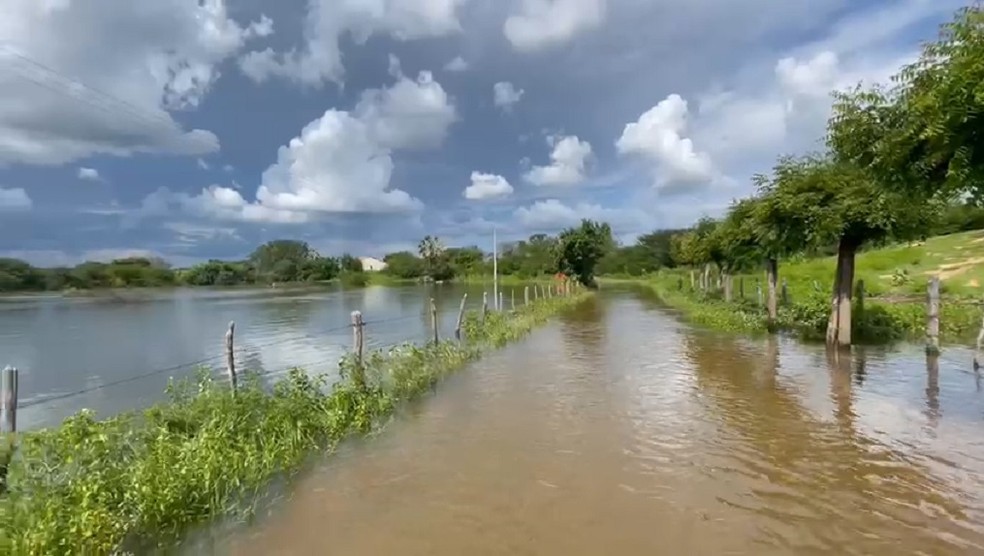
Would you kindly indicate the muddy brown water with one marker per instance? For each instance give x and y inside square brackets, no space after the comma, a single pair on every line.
[617,429]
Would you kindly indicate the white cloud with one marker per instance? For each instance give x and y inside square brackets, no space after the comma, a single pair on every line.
[340,163]
[568,162]
[166,60]
[658,136]
[408,115]
[202,164]
[320,58]
[544,23]
[487,186]
[551,215]
[14,199]
[191,233]
[788,115]
[505,95]
[89,174]
[227,168]
[457,64]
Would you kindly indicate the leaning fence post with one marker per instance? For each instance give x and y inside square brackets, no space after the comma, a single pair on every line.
[8,391]
[536,292]
[526,295]
[512,299]
[231,355]
[485,305]
[461,316]
[434,323]
[358,341]
[933,316]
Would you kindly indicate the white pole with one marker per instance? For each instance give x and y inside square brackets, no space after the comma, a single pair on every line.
[495,270]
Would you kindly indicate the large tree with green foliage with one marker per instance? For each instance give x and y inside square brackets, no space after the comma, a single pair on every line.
[823,201]
[580,249]
[435,257]
[404,264]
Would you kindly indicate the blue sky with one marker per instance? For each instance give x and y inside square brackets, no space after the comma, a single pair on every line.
[194,129]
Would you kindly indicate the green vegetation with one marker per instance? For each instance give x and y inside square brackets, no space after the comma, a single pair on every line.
[899,164]
[141,479]
[894,280]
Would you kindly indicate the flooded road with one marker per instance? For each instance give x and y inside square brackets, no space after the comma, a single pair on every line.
[617,429]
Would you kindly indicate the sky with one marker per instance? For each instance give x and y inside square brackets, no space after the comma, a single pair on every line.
[198,129]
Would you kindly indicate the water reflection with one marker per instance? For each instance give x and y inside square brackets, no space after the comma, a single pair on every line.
[617,429]
[63,345]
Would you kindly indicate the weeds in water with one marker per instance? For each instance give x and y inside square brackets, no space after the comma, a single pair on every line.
[139,480]
[806,315]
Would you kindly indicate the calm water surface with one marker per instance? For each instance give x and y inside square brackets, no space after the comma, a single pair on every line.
[619,430]
[63,345]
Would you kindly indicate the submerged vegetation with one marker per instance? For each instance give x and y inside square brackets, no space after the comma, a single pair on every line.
[137,480]
[893,279]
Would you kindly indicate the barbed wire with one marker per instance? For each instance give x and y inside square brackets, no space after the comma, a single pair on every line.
[217,358]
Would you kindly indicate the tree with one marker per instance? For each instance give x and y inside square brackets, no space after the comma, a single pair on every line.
[466,261]
[281,260]
[348,263]
[820,200]
[434,254]
[580,249]
[404,264]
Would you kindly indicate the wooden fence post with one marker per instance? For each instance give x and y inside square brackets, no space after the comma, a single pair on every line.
[501,304]
[741,287]
[358,341]
[485,305]
[461,317]
[526,295]
[434,323]
[933,316]
[8,395]
[980,341]
[231,355]
[536,292]
[512,299]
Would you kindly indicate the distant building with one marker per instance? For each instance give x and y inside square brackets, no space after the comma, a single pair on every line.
[370,264]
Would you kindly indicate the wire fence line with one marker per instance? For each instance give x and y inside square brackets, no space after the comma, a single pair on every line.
[240,350]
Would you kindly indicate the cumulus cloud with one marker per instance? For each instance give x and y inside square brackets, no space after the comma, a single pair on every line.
[568,162]
[320,59]
[457,64]
[88,174]
[61,57]
[544,23]
[341,162]
[14,199]
[505,95]
[409,115]
[487,186]
[551,215]
[658,136]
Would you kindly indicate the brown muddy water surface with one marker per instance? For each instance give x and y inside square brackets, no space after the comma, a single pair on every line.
[617,429]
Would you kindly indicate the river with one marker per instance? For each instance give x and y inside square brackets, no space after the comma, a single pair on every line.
[68,349]
[617,429]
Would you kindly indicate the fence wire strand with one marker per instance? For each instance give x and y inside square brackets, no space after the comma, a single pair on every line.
[239,350]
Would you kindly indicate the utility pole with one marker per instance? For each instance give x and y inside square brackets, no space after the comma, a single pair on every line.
[495,271]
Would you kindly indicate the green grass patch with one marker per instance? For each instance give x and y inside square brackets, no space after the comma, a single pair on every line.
[807,311]
[141,479]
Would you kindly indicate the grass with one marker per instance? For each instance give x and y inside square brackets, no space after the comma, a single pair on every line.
[140,480]
[895,279]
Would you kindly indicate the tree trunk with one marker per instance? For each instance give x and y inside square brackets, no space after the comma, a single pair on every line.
[839,324]
[772,276]
[726,279]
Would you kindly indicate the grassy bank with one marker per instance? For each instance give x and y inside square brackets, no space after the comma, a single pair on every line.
[895,279]
[141,479]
